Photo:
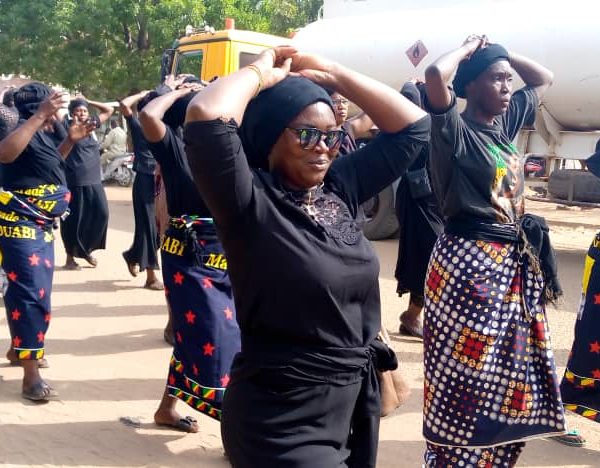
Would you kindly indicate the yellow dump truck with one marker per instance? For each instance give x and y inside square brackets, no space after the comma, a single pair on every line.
[209,54]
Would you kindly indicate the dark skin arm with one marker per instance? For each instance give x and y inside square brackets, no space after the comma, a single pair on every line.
[532,73]
[105,111]
[76,132]
[360,125]
[151,116]
[439,73]
[228,97]
[126,104]
[15,143]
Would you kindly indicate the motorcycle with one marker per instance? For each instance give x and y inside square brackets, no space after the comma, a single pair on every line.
[119,170]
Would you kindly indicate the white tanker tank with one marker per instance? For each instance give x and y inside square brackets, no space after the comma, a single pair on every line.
[399,42]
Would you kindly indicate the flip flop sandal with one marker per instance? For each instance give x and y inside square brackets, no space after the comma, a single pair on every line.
[40,391]
[92,261]
[183,424]
[571,438]
[42,363]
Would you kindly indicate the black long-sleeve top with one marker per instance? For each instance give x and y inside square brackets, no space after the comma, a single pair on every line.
[296,282]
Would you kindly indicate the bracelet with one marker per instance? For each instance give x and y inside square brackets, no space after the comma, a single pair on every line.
[256,70]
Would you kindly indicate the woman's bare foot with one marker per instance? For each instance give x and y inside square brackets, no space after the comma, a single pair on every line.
[166,415]
[34,386]
[92,261]
[71,264]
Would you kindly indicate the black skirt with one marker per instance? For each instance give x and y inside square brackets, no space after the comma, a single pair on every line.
[420,225]
[144,249]
[84,230]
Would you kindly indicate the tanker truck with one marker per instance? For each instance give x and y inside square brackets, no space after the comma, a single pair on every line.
[395,40]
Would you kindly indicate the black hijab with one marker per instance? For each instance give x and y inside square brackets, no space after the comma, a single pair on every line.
[269,113]
[470,69]
[29,97]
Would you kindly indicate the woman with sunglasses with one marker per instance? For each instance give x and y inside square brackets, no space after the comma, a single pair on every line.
[303,389]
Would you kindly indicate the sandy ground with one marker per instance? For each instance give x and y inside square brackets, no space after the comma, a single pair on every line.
[108,361]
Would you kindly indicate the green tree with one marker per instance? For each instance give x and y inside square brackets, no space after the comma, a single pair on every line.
[106,47]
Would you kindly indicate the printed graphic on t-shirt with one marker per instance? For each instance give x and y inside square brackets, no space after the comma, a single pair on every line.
[507,186]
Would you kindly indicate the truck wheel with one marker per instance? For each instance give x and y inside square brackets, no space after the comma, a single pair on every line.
[585,185]
[381,220]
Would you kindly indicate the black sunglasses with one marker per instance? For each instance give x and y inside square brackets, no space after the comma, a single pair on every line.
[310,137]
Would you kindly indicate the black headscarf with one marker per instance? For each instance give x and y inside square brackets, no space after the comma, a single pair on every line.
[268,115]
[75,103]
[29,97]
[175,115]
[469,70]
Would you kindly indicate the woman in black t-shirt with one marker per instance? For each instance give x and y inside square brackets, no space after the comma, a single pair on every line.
[84,230]
[143,253]
[34,193]
[490,381]
[195,274]
[303,390]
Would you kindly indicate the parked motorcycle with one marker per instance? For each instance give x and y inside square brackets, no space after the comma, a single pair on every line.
[119,170]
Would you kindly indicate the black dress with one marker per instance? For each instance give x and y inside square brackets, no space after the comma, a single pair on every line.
[84,230]
[307,299]
[144,249]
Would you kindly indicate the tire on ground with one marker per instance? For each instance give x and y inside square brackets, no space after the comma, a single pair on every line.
[381,220]
[586,186]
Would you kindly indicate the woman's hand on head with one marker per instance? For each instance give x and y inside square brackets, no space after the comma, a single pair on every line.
[474,42]
[52,104]
[274,64]
[315,68]
[79,130]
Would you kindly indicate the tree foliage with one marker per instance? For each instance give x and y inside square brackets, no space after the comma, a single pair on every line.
[106,47]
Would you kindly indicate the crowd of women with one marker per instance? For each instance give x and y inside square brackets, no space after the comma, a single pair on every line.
[272,287]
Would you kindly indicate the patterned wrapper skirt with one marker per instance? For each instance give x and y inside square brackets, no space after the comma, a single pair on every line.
[207,335]
[27,253]
[580,386]
[490,380]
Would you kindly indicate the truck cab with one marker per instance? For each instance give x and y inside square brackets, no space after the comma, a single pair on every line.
[210,54]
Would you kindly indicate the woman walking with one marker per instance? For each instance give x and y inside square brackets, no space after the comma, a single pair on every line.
[580,386]
[490,379]
[195,274]
[420,223]
[303,389]
[84,230]
[143,253]
[34,193]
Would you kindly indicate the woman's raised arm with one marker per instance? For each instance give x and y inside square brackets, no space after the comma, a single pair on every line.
[438,74]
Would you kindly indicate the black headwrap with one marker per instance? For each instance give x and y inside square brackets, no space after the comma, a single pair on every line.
[75,103]
[29,97]
[268,115]
[175,115]
[9,118]
[9,98]
[469,70]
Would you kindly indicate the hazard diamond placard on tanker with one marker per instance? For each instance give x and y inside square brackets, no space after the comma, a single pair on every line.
[416,52]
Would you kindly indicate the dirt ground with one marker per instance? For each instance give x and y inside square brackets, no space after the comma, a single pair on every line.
[109,361]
